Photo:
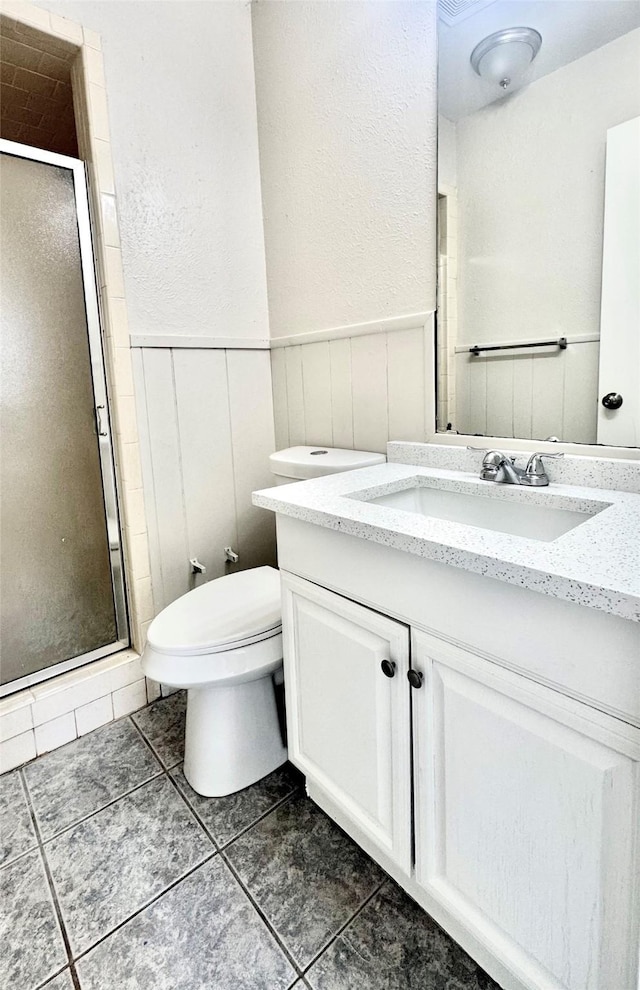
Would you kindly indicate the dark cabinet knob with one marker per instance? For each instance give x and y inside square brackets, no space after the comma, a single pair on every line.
[415,678]
[612,400]
[388,668]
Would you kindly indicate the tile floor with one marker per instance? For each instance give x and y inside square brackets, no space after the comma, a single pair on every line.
[115,874]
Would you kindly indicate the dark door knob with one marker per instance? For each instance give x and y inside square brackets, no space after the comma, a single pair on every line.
[388,668]
[612,400]
[415,678]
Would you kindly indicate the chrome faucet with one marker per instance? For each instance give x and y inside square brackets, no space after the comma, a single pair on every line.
[502,469]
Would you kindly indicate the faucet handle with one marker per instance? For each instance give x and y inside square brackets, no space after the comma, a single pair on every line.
[491,456]
[535,465]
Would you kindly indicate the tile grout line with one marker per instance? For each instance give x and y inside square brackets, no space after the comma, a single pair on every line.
[41,844]
[47,872]
[92,814]
[148,743]
[49,979]
[221,852]
[261,818]
[233,872]
[299,970]
[74,958]
[261,914]
[72,973]
[218,849]
[342,928]
[194,812]
[25,852]
[143,907]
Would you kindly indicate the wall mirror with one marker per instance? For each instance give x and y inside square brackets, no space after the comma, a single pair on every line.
[538,327]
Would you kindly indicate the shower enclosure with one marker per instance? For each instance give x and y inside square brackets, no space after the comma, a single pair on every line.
[62,600]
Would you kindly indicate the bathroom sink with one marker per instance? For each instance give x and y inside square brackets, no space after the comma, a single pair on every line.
[503,515]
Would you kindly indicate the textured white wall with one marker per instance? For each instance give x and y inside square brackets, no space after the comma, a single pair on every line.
[347,126]
[531,194]
[181,100]
[181,94]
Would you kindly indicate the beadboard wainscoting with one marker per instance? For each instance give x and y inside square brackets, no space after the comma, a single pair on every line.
[525,394]
[206,428]
[355,391]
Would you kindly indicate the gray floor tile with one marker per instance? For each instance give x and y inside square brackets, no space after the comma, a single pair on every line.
[78,779]
[112,864]
[305,874]
[163,725]
[61,982]
[32,946]
[226,817]
[16,828]
[394,945]
[203,933]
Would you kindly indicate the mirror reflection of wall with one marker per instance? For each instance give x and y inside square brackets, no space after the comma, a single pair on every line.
[523,219]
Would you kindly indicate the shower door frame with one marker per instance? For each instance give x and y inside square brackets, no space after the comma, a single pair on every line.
[102,416]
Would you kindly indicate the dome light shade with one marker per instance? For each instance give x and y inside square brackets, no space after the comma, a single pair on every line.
[505,56]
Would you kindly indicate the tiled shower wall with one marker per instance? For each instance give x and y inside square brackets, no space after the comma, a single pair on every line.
[355,392]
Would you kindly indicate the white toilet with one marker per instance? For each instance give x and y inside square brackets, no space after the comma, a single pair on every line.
[223,642]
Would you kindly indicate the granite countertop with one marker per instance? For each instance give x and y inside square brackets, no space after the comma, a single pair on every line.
[596,564]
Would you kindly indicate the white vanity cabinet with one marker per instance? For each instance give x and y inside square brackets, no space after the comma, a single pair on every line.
[347,719]
[524,802]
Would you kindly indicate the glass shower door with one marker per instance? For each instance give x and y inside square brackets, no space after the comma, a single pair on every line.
[62,597]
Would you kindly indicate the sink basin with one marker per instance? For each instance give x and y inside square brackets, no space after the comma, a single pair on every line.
[503,515]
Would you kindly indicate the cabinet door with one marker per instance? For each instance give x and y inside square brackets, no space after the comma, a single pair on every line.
[348,723]
[526,806]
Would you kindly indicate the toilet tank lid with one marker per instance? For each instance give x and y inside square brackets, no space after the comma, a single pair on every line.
[313,462]
[227,611]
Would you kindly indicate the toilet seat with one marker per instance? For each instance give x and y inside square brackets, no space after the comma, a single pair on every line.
[229,612]
[225,667]
[225,632]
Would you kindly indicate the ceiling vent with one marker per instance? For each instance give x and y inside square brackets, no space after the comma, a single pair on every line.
[454,11]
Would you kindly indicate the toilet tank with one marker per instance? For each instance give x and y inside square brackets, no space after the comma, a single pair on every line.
[300,463]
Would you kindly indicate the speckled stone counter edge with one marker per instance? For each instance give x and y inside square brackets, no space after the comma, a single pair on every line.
[587,472]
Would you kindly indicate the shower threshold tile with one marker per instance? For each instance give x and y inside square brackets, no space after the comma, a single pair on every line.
[85,775]
[305,874]
[17,834]
[33,949]
[163,724]
[226,817]
[114,863]
[201,933]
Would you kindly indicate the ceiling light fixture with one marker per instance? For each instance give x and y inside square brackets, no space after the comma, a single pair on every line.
[505,56]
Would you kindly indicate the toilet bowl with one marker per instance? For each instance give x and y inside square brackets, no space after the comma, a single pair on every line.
[222,642]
